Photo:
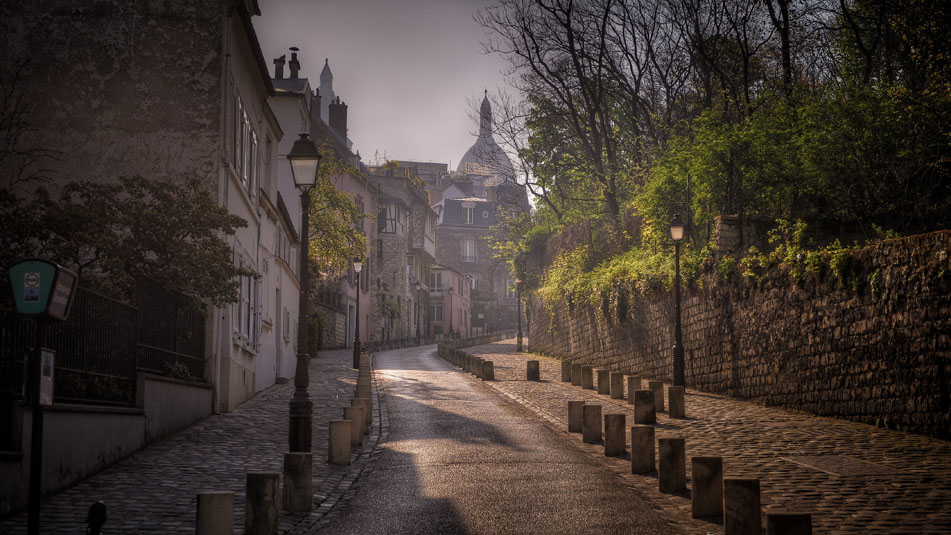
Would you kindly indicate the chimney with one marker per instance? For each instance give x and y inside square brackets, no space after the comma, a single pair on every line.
[295,65]
[315,106]
[338,117]
[279,67]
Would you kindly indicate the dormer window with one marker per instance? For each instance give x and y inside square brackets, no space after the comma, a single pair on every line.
[468,215]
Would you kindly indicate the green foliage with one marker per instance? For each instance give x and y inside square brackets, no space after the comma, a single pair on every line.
[335,222]
[315,331]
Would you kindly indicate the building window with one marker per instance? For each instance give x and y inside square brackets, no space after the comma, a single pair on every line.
[468,251]
[462,288]
[389,214]
[473,282]
[468,215]
[435,282]
[247,309]
[435,313]
[510,289]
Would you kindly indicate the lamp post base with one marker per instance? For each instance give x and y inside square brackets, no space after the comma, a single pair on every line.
[356,354]
[300,432]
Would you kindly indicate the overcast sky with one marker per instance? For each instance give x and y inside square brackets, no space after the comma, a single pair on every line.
[407,69]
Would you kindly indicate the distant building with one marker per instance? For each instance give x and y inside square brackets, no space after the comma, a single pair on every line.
[449,303]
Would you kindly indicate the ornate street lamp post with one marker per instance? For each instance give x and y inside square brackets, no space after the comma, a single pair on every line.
[450,312]
[357,267]
[305,161]
[419,311]
[518,299]
[677,234]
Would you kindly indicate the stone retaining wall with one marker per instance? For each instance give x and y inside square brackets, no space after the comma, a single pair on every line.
[873,348]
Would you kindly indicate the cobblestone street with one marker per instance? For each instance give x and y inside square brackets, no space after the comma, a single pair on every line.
[854,478]
[154,490]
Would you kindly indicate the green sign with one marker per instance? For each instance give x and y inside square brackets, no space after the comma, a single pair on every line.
[42,288]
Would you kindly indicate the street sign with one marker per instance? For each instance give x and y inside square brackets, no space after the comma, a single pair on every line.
[42,288]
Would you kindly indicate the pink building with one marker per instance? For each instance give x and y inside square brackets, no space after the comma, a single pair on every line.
[449,310]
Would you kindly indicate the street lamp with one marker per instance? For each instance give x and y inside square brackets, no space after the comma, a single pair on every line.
[419,313]
[357,266]
[450,312]
[305,161]
[677,234]
[518,299]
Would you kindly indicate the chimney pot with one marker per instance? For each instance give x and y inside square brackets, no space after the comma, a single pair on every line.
[294,64]
[279,67]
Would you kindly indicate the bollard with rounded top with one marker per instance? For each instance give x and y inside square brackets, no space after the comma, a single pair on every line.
[707,493]
[784,522]
[675,398]
[657,387]
[260,508]
[587,377]
[215,513]
[488,371]
[633,385]
[575,416]
[604,382]
[576,375]
[298,493]
[644,412]
[672,464]
[355,415]
[591,424]
[338,451]
[741,506]
[532,372]
[615,439]
[617,385]
[642,449]
[565,371]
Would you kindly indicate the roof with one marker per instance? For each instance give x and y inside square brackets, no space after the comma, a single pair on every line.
[485,156]
[294,86]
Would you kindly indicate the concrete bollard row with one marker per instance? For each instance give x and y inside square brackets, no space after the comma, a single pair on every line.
[672,464]
[591,424]
[633,385]
[565,371]
[488,371]
[355,414]
[604,382]
[675,398]
[298,493]
[575,416]
[576,375]
[741,506]
[617,385]
[783,522]
[615,440]
[532,372]
[657,387]
[262,490]
[642,449]
[707,492]
[338,451]
[215,513]
[644,412]
[587,377]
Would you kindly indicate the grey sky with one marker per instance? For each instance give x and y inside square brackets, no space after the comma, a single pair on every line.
[407,69]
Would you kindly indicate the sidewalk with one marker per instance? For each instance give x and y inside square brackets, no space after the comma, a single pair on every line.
[153,491]
[852,477]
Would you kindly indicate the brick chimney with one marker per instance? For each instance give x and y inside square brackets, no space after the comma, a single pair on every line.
[315,106]
[279,67]
[294,64]
[338,117]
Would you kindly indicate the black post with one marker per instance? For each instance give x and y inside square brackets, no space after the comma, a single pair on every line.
[419,314]
[518,298]
[450,315]
[356,330]
[36,440]
[678,337]
[300,434]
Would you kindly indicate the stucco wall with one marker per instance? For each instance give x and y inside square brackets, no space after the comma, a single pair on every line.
[874,349]
[171,404]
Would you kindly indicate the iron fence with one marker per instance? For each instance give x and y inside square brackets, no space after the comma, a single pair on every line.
[171,332]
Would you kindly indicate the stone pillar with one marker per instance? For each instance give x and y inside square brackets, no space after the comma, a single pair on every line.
[633,385]
[604,382]
[565,371]
[587,377]
[367,414]
[615,439]
[642,449]
[260,510]
[741,506]
[575,416]
[298,482]
[591,424]
[488,371]
[617,385]
[672,465]
[644,412]
[338,451]
[657,387]
[215,513]
[783,522]
[532,372]
[707,492]
[479,361]
[355,415]
[576,375]
[675,397]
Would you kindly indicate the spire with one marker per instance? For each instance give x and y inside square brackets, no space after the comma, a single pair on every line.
[325,73]
[485,116]
[326,91]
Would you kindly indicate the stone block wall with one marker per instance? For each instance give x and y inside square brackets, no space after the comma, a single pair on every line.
[874,347]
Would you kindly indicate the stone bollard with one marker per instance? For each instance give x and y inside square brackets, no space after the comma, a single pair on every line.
[565,371]
[783,522]
[576,375]
[479,361]
[644,412]
[298,482]
[362,392]
[215,513]
[707,493]
[617,385]
[575,416]
[675,398]
[633,385]
[642,449]
[591,424]
[615,440]
[355,415]
[260,508]
[338,451]
[587,377]
[488,371]
[741,506]
[532,372]
[604,382]
[672,465]
[657,387]
[367,413]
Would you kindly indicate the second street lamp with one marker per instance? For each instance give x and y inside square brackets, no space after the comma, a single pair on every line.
[518,299]
[450,312]
[677,234]
[419,314]
[357,267]
[305,162]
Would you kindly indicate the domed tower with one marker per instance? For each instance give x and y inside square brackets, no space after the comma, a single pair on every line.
[485,157]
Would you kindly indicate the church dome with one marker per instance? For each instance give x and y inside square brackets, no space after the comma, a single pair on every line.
[485,157]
